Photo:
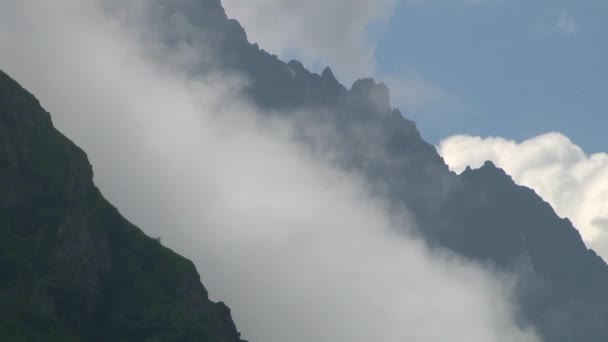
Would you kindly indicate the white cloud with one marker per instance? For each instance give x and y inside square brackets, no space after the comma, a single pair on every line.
[566,24]
[573,182]
[297,248]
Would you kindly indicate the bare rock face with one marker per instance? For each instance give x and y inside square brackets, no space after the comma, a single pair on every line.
[71,267]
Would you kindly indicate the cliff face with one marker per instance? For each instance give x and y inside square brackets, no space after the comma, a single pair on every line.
[71,267]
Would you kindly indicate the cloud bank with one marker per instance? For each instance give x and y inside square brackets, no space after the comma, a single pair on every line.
[573,182]
[297,247]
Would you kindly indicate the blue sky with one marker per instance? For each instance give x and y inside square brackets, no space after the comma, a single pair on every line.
[508,68]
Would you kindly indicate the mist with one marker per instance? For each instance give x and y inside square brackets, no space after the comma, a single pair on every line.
[297,247]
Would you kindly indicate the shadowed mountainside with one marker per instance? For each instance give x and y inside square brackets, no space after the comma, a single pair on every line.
[71,267]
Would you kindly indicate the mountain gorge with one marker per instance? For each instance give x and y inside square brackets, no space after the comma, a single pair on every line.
[72,268]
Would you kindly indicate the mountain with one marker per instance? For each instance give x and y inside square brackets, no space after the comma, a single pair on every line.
[481,214]
[71,267]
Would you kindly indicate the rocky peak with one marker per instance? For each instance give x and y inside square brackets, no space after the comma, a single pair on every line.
[373,96]
[328,76]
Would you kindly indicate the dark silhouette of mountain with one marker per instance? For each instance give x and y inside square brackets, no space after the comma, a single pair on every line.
[481,214]
[71,267]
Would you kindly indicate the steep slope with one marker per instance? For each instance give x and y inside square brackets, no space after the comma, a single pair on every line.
[481,214]
[71,267]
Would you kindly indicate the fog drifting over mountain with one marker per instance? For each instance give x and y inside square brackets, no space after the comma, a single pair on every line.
[296,247]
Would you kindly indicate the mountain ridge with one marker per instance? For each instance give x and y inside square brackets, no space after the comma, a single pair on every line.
[71,267]
[481,214]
